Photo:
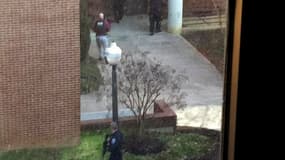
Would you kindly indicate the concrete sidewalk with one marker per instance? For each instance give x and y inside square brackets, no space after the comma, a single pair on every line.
[205,86]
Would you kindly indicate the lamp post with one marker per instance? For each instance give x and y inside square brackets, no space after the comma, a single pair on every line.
[113,57]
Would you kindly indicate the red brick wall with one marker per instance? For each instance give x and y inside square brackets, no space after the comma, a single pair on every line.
[203,7]
[39,73]
[133,7]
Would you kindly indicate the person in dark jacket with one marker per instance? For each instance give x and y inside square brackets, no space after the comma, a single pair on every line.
[101,27]
[155,16]
[115,143]
[118,8]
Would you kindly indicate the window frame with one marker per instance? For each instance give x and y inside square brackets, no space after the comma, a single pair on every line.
[232,59]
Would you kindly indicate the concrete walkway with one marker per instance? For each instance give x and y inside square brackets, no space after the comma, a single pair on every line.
[205,85]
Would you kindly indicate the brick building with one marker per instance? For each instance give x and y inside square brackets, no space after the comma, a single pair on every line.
[39,73]
[40,68]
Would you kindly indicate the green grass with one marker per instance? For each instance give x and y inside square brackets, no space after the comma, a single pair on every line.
[90,75]
[90,148]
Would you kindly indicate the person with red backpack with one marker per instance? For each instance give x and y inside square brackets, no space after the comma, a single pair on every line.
[101,27]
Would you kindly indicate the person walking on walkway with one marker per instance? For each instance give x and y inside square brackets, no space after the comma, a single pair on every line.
[155,16]
[118,9]
[101,27]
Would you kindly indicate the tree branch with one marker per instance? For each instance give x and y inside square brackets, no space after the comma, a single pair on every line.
[152,101]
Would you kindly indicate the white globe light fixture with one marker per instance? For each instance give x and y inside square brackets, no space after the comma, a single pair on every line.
[113,54]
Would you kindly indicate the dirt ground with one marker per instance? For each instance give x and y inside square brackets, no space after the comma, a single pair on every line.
[211,43]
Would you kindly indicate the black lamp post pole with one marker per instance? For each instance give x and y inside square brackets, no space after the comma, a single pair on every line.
[114,94]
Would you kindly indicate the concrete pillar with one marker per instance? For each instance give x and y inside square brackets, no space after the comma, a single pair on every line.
[175,16]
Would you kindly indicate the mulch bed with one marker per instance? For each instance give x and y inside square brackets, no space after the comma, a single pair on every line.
[214,153]
[147,144]
[142,145]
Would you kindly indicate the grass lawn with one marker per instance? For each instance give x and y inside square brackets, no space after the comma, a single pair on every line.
[89,149]
[179,147]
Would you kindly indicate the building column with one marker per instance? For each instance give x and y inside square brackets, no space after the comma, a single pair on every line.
[175,16]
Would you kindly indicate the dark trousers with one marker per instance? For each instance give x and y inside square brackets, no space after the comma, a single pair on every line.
[155,23]
[116,156]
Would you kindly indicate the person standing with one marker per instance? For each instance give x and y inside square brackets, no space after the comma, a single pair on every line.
[155,16]
[118,9]
[101,27]
[114,144]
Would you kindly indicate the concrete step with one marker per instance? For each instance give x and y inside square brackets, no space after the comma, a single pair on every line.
[203,23]
[204,18]
[209,21]
[85,116]
[202,27]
